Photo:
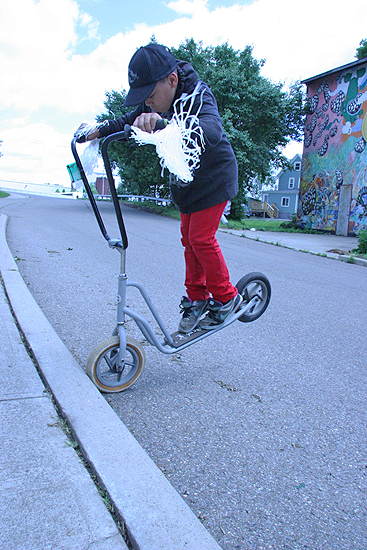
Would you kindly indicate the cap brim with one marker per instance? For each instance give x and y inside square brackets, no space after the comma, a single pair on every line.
[136,96]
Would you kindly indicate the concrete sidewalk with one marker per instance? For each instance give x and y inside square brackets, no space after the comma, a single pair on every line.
[331,246]
[48,499]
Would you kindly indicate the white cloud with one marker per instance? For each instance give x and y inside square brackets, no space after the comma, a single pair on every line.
[41,69]
[37,154]
[189,7]
[41,73]
[34,46]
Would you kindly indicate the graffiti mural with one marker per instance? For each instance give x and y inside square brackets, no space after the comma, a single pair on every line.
[335,153]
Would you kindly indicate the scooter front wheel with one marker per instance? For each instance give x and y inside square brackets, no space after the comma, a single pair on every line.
[102,365]
[254,285]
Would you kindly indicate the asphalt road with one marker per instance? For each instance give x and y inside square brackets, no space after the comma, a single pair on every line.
[262,428]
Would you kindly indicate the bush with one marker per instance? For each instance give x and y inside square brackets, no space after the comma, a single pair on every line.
[293,223]
[362,241]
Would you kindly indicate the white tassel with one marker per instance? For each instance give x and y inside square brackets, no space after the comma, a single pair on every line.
[180,144]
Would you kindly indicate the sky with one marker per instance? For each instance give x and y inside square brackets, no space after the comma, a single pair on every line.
[59,57]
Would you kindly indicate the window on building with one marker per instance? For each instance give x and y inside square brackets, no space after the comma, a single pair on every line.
[285,201]
[266,198]
[291,183]
[297,166]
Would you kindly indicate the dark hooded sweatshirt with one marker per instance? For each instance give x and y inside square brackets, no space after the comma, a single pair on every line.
[216,179]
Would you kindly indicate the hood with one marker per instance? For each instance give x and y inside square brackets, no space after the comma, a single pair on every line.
[188,78]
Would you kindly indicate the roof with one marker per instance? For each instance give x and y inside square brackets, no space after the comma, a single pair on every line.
[297,158]
[294,191]
[342,68]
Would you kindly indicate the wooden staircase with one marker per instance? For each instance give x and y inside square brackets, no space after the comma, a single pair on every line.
[264,209]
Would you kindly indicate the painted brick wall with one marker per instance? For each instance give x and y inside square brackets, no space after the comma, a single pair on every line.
[335,152]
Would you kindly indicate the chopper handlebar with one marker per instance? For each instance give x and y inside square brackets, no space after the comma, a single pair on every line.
[123,136]
[119,136]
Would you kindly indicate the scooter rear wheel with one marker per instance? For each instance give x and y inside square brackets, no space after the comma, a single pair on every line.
[102,365]
[251,285]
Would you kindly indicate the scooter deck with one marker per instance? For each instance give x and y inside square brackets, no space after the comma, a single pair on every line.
[179,338]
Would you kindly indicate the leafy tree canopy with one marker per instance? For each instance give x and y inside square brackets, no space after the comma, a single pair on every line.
[259,118]
[361,52]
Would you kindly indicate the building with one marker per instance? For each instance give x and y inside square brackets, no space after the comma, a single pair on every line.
[333,190]
[285,198]
[102,185]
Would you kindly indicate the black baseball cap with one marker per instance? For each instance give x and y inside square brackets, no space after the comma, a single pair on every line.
[148,65]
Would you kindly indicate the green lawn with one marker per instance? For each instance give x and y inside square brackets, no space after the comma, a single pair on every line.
[260,224]
[3,194]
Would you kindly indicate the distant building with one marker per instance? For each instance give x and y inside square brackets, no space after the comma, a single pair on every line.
[102,185]
[333,191]
[285,198]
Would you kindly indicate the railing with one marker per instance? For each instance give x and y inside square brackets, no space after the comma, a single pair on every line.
[134,198]
[263,207]
[275,210]
[143,198]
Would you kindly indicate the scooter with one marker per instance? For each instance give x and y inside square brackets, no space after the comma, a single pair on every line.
[117,362]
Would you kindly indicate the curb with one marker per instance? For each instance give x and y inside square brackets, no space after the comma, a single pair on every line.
[155,516]
[352,260]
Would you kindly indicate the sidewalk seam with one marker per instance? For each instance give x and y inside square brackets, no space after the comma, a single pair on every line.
[24,398]
[66,427]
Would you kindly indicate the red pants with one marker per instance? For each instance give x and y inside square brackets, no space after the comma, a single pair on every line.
[206,269]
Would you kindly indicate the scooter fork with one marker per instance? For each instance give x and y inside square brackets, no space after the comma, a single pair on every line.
[121,304]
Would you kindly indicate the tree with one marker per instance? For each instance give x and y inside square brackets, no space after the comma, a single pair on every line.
[361,52]
[259,117]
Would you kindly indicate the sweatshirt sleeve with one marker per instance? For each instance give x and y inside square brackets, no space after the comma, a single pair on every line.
[117,125]
[209,120]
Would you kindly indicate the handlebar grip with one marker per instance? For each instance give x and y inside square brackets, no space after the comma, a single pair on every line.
[160,124]
[80,139]
[127,132]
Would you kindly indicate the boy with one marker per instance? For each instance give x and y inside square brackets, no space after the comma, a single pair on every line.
[158,81]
